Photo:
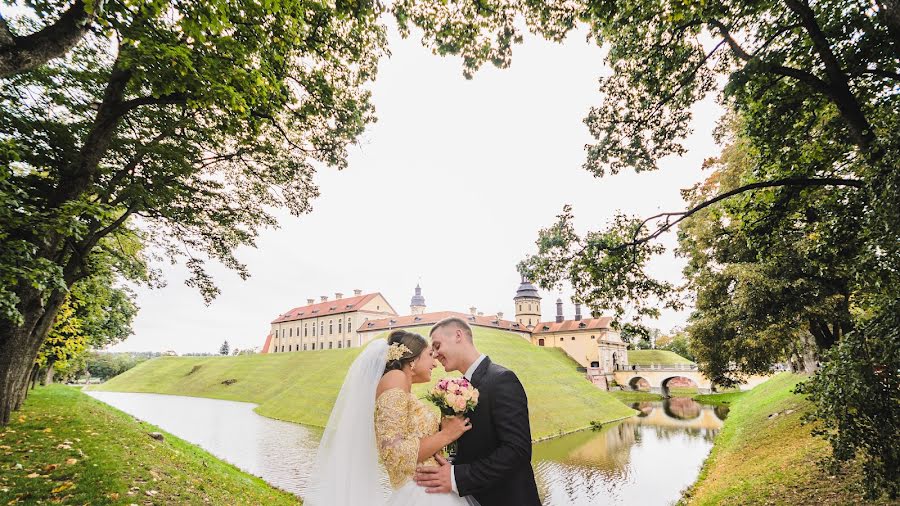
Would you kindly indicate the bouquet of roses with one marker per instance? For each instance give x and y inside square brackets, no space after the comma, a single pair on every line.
[454,396]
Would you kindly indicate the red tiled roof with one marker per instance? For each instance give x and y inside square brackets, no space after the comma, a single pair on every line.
[329,307]
[265,348]
[572,325]
[395,322]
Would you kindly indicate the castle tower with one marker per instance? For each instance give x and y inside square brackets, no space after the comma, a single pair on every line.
[417,303]
[528,304]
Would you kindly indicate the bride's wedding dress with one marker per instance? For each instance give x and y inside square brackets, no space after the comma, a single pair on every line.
[365,438]
[401,421]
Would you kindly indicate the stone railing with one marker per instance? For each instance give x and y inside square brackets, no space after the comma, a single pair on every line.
[656,367]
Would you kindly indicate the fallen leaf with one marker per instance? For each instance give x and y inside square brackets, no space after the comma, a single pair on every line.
[50,467]
[71,461]
[33,475]
[65,486]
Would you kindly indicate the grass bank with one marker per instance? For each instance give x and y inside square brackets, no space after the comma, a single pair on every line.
[66,447]
[763,455]
[301,387]
[647,357]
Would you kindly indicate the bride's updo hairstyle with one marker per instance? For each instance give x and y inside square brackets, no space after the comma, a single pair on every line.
[413,341]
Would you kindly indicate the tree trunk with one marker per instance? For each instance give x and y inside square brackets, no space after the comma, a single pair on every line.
[48,376]
[808,353]
[19,347]
[34,376]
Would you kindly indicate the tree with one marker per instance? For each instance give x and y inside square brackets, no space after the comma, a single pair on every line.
[814,88]
[223,350]
[176,124]
[94,315]
[679,343]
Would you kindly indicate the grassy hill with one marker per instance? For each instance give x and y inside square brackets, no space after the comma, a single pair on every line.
[758,458]
[647,357]
[301,387]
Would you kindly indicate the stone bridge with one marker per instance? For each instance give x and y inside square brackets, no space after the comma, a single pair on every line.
[659,376]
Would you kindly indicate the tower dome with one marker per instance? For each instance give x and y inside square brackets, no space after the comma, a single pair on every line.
[528,304]
[417,303]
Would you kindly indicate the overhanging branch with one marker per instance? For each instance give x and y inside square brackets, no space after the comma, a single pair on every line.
[674,218]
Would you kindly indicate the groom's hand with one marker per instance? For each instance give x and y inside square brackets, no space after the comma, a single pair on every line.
[436,480]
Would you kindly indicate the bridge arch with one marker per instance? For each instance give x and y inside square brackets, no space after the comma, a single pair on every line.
[640,384]
[665,383]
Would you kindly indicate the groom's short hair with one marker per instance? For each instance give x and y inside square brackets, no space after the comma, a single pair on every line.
[453,321]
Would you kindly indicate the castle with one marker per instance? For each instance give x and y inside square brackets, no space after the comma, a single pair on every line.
[354,321]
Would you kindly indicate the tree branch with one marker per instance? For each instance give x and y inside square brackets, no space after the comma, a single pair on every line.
[20,54]
[682,215]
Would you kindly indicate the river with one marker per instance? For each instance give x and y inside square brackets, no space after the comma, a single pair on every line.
[646,459]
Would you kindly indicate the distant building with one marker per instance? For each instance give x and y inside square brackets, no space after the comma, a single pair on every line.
[354,321]
[327,324]
[417,303]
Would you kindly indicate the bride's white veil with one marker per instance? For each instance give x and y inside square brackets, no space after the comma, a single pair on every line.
[347,471]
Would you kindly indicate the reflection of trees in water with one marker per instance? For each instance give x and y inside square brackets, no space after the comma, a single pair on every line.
[721,411]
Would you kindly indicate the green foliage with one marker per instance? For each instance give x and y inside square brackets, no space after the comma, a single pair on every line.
[107,365]
[223,350]
[680,344]
[65,342]
[857,400]
[196,118]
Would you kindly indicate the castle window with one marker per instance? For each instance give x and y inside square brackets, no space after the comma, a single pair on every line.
[305,330]
[304,347]
[314,346]
[322,329]
[593,337]
[339,326]
[573,338]
[331,326]
[339,344]
[282,347]
[348,343]
[561,338]
[314,330]
[291,332]
[330,345]
[540,342]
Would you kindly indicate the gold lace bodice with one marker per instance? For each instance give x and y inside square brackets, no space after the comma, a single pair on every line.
[401,421]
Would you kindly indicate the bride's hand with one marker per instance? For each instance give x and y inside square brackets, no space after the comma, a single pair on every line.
[455,426]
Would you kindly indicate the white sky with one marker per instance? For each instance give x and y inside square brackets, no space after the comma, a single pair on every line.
[485,163]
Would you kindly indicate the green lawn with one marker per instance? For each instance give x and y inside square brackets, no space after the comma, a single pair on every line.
[301,387]
[628,396]
[721,399]
[647,357]
[761,460]
[64,447]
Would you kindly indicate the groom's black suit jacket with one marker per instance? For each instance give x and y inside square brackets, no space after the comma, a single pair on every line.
[493,461]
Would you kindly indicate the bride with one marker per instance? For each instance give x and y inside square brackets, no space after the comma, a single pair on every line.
[377,420]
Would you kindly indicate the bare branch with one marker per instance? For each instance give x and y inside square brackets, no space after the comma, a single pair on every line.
[682,215]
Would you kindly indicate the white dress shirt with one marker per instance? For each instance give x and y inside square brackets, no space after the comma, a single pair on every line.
[468,375]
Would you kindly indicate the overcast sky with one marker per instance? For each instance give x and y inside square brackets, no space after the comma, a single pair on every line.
[448,188]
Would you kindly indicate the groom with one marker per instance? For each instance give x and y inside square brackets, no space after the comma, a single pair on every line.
[493,462]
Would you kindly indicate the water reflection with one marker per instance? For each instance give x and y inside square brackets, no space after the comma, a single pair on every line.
[646,459]
[279,452]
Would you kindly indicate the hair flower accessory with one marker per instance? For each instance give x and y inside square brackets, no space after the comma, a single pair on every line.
[396,351]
